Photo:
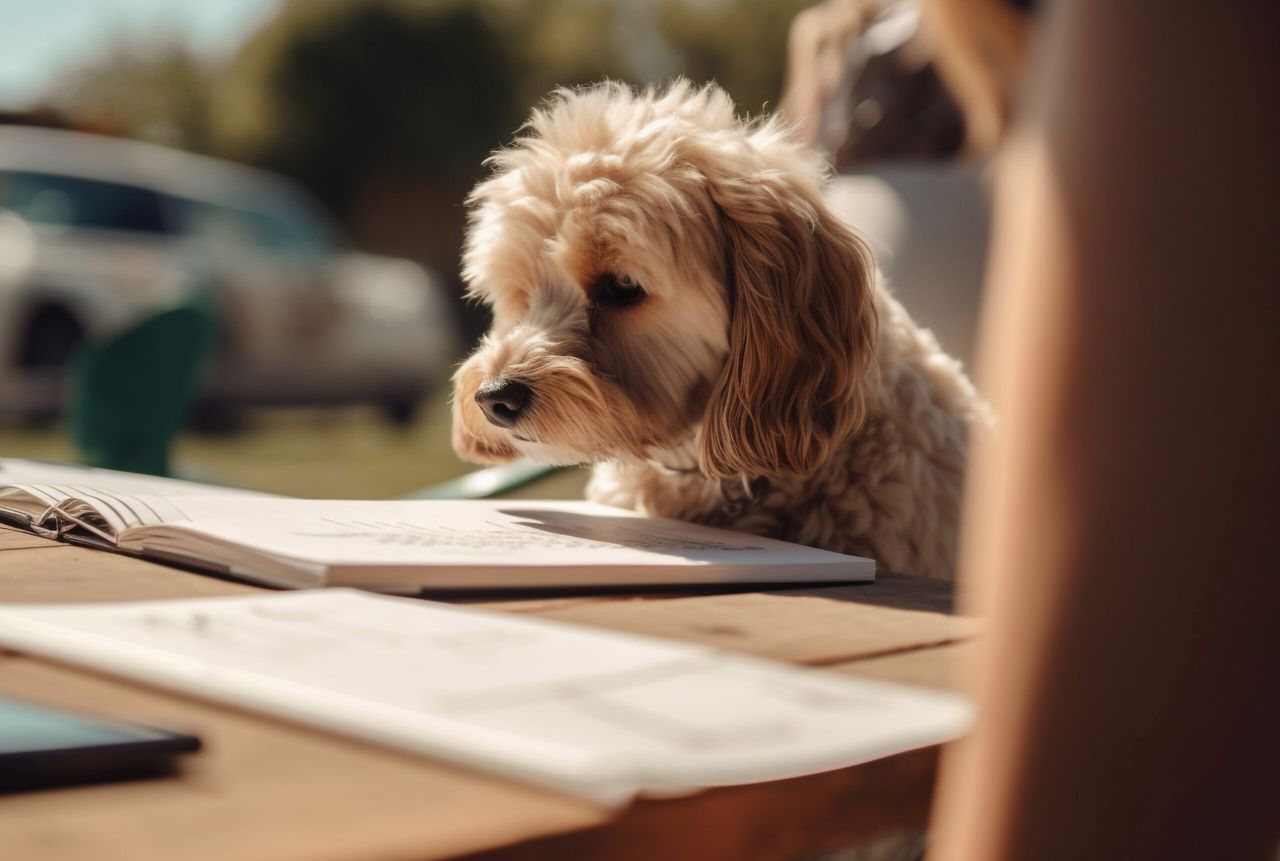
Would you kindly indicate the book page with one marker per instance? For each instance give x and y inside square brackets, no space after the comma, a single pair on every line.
[101,500]
[599,714]
[461,530]
[490,534]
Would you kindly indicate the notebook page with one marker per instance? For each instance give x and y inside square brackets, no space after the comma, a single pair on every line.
[599,714]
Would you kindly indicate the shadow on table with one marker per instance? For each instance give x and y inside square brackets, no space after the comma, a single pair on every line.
[889,590]
[900,591]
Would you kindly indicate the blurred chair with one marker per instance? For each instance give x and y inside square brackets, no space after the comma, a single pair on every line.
[128,394]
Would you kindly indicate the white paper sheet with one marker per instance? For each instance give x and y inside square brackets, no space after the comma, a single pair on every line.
[598,714]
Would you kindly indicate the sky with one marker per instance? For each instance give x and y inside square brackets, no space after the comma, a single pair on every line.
[40,38]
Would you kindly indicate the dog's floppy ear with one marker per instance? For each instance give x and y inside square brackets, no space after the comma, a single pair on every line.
[802,330]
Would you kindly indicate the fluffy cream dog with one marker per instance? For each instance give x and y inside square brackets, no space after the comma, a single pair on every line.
[673,303]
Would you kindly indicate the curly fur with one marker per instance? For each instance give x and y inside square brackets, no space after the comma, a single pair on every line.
[767,381]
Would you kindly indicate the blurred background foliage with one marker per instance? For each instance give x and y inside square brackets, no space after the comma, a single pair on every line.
[386,109]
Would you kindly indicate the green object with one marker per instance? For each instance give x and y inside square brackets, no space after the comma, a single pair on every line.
[129,393]
[484,483]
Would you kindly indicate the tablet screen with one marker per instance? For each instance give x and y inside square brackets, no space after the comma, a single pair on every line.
[26,727]
[44,746]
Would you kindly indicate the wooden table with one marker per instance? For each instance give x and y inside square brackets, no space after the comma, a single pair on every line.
[264,789]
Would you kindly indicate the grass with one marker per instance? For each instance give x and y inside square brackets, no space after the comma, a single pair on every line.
[348,453]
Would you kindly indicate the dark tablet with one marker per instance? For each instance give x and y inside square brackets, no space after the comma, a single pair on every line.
[42,746]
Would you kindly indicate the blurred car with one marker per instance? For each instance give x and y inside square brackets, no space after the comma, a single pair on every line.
[97,232]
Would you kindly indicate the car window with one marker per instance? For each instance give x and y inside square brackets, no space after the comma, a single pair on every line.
[72,201]
[272,225]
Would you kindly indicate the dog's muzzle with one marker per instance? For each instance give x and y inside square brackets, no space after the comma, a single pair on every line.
[502,401]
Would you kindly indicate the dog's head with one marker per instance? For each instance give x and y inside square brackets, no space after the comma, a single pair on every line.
[663,277]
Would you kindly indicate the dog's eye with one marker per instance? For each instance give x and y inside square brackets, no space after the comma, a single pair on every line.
[612,289]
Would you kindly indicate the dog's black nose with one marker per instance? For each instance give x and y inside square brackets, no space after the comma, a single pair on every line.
[503,401]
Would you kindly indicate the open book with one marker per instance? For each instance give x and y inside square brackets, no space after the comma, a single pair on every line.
[596,713]
[399,545]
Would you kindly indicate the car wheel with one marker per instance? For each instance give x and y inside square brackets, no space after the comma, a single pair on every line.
[400,413]
[217,418]
[52,338]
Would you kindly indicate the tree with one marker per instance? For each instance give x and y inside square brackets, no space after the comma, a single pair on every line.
[742,44]
[157,92]
[342,93]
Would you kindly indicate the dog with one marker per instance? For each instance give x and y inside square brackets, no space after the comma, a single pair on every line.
[673,303]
